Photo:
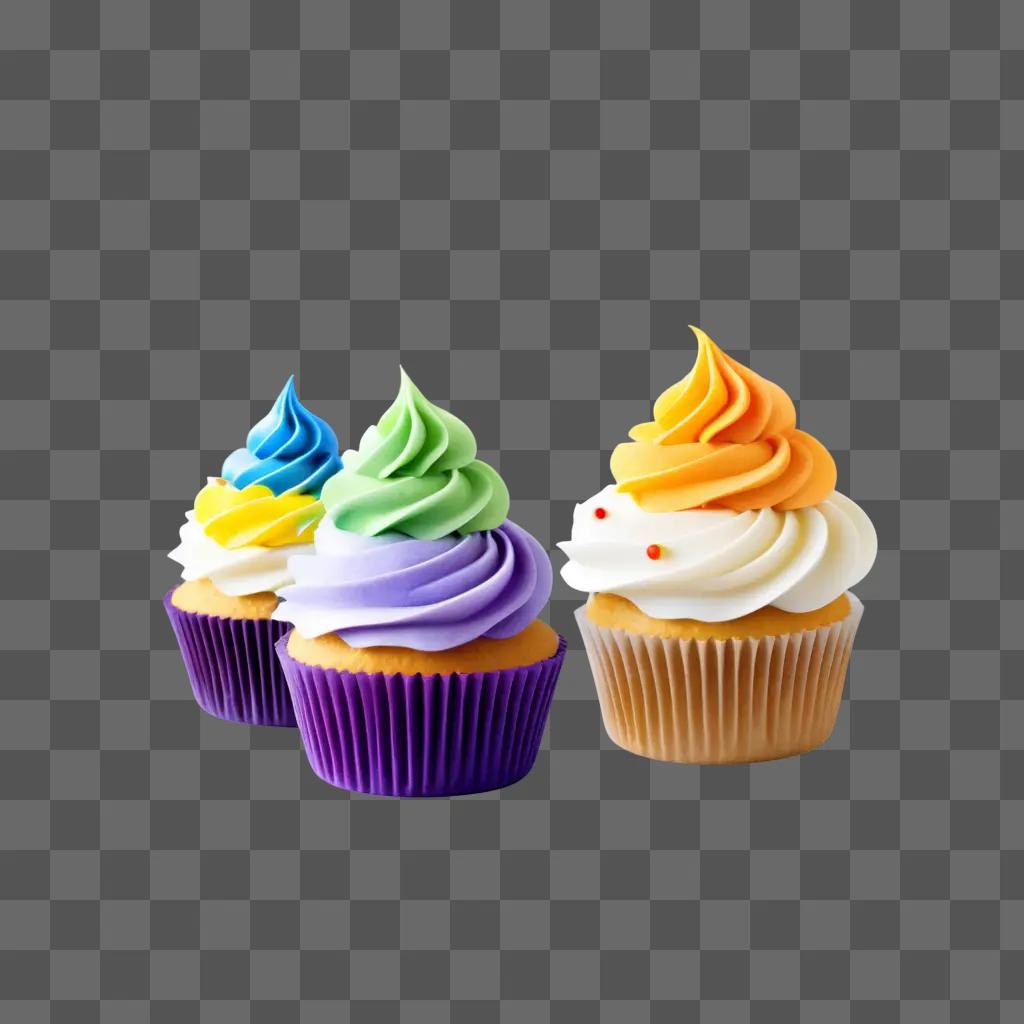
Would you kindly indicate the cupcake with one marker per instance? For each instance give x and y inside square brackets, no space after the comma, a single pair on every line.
[234,551]
[417,665]
[719,622]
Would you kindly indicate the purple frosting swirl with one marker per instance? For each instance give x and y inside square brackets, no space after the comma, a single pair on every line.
[429,595]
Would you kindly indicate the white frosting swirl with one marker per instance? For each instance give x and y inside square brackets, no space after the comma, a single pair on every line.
[716,564]
[247,570]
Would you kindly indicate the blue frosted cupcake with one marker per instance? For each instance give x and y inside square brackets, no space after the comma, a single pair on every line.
[234,551]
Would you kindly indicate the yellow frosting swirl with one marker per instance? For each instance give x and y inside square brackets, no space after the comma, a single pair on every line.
[254,515]
[724,437]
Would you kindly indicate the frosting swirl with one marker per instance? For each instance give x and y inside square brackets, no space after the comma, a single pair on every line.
[236,518]
[233,571]
[717,564]
[290,451]
[429,595]
[723,436]
[416,472]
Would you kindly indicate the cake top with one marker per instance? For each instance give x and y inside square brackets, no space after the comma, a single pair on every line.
[415,549]
[721,506]
[290,451]
[416,472]
[268,496]
[722,437]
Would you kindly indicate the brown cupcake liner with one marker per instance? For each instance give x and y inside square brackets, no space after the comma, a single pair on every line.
[720,701]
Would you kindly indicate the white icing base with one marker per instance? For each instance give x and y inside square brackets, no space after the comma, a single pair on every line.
[716,564]
[246,570]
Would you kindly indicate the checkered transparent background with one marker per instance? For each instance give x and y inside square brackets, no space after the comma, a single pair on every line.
[525,202]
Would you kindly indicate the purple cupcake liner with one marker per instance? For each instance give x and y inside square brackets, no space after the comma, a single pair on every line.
[416,735]
[231,664]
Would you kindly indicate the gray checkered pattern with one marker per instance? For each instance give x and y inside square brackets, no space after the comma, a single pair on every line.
[525,202]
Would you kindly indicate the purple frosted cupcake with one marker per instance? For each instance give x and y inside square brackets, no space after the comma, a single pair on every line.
[234,551]
[417,664]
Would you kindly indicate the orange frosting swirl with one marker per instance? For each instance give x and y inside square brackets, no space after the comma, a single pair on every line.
[723,437]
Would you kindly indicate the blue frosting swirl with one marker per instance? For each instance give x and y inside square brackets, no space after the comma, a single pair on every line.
[290,450]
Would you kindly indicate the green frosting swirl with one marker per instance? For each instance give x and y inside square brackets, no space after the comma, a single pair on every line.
[416,472]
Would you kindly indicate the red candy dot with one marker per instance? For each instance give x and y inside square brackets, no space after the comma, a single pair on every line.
[600,513]
[654,551]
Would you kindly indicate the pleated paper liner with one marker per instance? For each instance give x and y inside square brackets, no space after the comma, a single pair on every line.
[415,735]
[720,701]
[233,667]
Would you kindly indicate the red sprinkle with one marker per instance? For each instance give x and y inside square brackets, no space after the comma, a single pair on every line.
[600,513]
[654,551]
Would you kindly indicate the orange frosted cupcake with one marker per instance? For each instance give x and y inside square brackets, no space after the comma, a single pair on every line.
[719,624]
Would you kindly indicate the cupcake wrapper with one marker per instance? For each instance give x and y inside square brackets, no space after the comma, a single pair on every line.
[232,666]
[415,735]
[720,701]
